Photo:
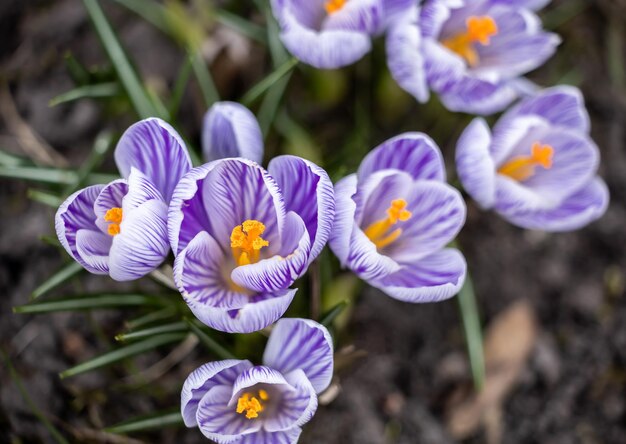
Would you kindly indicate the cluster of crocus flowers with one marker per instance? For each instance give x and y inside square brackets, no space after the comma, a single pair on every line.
[394,218]
[234,401]
[538,166]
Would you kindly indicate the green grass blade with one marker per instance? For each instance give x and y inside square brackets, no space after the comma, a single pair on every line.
[473,333]
[11,160]
[179,87]
[127,75]
[121,353]
[257,91]
[171,418]
[154,316]
[64,274]
[48,199]
[88,303]
[328,317]
[205,81]
[54,433]
[52,175]
[153,331]
[102,145]
[242,26]
[210,343]
[102,90]
[150,10]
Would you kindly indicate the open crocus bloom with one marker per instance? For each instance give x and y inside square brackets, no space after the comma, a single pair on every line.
[120,229]
[231,130]
[234,401]
[537,168]
[242,236]
[471,53]
[328,34]
[394,218]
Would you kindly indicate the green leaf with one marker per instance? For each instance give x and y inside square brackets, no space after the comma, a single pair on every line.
[102,90]
[154,316]
[150,10]
[127,75]
[153,331]
[256,91]
[473,332]
[65,273]
[51,200]
[242,26]
[205,81]
[210,343]
[328,317]
[121,353]
[171,418]
[88,303]
[11,160]
[52,175]
[179,87]
[102,145]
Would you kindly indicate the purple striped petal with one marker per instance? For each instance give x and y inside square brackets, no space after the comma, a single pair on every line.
[301,344]
[111,196]
[511,133]
[199,276]
[141,246]
[154,148]
[278,272]
[578,210]
[93,248]
[261,311]
[140,190]
[474,164]
[377,192]
[256,375]
[476,96]
[433,15]
[308,191]
[431,279]
[365,16]
[530,4]
[231,130]
[203,379]
[398,9]
[290,436]
[513,197]
[220,421]
[414,153]
[341,234]
[76,213]
[296,407]
[365,260]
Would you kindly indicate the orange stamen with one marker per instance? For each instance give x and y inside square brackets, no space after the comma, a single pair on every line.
[378,232]
[114,218]
[479,30]
[246,242]
[522,168]
[333,6]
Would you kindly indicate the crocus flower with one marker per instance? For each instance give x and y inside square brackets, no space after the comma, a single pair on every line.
[243,235]
[329,34]
[394,218]
[537,168]
[471,53]
[234,401]
[120,229]
[231,130]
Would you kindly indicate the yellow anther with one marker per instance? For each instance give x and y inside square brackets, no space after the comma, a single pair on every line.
[333,6]
[479,30]
[246,241]
[114,218]
[523,167]
[249,404]
[377,232]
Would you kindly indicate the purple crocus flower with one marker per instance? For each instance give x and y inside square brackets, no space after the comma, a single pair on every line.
[234,401]
[471,53]
[537,168]
[231,130]
[243,235]
[329,34]
[120,229]
[394,218]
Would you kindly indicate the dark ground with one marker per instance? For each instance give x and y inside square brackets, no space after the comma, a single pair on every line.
[571,389]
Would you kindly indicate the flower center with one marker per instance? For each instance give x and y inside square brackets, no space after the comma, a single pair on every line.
[246,241]
[114,218]
[251,405]
[333,6]
[523,167]
[378,232]
[479,30]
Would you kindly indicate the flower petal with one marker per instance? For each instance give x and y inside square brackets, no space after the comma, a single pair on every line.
[365,260]
[153,147]
[530,4]
[398,9]
[93,248]
[433,278]
[140,190]
[290,436]
[111,196]
[203,379]
[231,130]
[76,213]
[341,234]
[296,407]
[474,164]
[301,344]
[477,96]
[141,246]
[361,16]
[308,191]
[414,153]
[259,374]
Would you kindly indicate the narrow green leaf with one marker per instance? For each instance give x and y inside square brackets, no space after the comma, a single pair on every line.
[150,10]
[241,25]
[127,75]
[51,200]
[154,316]
[210,343]
[88,303]
[205,81]
[102,145]
[256,91]
[121,353]
[11,160]
[331,315]
[153,331]
[52,175]
[111,89]
[473,332]
[65,273]
[179,87]
[171,418]
[78,72]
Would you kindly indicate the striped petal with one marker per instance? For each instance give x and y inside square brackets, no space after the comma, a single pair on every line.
[296,407]
[93,248]
[301,344]
[365,16]
[111,196]
[341,234]
[290,436]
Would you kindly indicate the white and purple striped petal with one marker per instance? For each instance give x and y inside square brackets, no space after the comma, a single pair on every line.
[344,224]
[296,407]
[93,249]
